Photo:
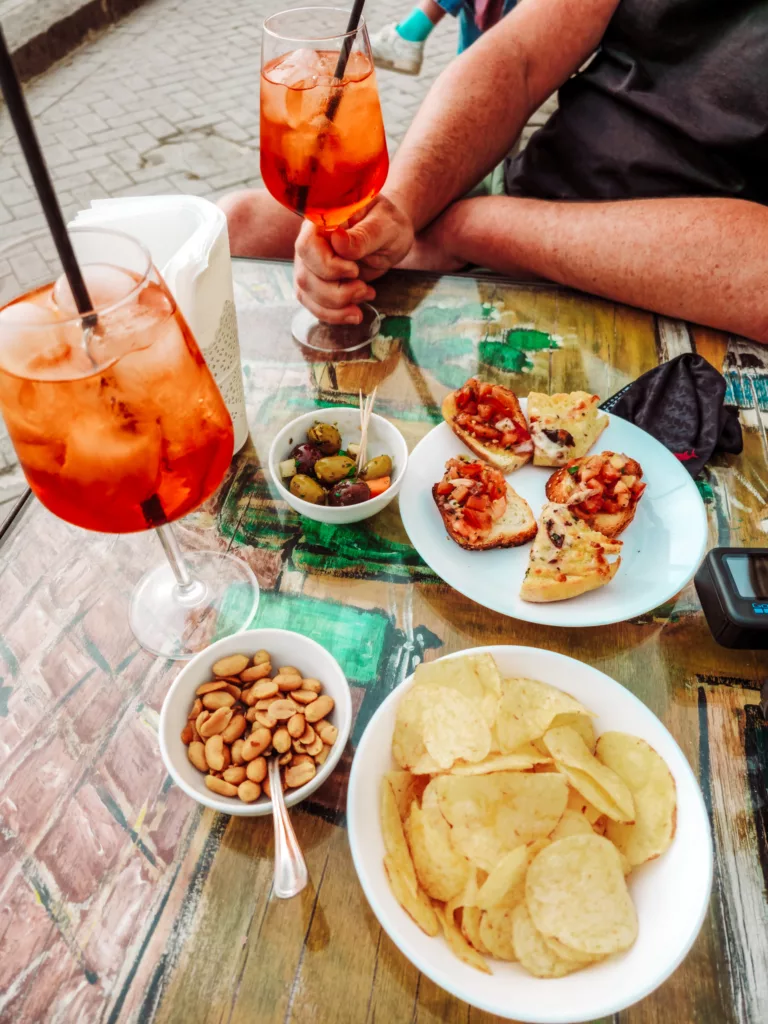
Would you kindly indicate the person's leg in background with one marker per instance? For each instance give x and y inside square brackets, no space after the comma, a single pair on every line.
[400,46]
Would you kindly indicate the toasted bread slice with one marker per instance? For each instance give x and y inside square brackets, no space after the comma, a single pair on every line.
[512,523]
[597,503]
[567,558]
[504,457]
[563,426]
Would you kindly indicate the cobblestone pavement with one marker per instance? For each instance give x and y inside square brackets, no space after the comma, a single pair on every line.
[167,101]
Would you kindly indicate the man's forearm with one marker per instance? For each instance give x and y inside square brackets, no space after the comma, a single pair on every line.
[704,260]
[478,106]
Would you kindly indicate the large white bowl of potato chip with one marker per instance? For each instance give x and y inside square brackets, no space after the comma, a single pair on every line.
[529,835]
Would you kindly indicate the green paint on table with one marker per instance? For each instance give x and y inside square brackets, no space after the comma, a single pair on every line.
[512,355]
[5,693]
[357,550]
[10,658]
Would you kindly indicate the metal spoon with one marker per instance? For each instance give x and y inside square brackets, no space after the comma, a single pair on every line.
[290,868]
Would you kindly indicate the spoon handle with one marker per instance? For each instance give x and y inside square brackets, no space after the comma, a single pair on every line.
[290,869]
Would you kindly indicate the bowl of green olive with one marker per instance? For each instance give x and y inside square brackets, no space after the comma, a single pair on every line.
[313,463]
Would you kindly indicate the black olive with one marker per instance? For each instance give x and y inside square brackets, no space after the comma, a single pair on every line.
[349,492]
[306,455]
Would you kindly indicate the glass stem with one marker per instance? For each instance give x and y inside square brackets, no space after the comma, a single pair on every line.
[173,553]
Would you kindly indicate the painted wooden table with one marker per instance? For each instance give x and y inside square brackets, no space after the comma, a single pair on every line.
[122,900]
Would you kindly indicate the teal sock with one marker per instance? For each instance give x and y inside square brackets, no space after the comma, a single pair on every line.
[416,27]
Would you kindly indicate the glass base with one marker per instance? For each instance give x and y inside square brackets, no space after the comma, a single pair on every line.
[336,339]
[178,622]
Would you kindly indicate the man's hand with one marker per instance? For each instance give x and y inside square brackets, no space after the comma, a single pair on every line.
[331,273]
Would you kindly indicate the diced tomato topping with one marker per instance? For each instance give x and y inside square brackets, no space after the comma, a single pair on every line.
[479,520]
[481,407]
[477,493]
[479,502]
[613,482]
[444,487]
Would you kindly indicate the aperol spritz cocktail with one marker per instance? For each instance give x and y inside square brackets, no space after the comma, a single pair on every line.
[323,149]
[116,419]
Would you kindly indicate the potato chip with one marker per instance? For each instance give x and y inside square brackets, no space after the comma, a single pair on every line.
[531,950]
[408,747]
[527,710]
[394,836]
[442,872]
[454,728]
[572,823]
[581,722]
[406,788]
[575,892]
[520,760]
[470,928]
[458,944]
[496,933]
[475,676]
[563,952]
[576,802]
[492,814]
[417,906]
[504,887]
[653,789]
[601,786]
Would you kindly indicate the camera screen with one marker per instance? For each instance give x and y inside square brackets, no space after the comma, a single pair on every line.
[749,574]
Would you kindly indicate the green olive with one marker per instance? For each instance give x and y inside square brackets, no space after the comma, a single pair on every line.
[381,465]
[326,437]
[307,489]
[333,468]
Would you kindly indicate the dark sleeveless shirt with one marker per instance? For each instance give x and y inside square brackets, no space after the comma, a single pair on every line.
[674,103]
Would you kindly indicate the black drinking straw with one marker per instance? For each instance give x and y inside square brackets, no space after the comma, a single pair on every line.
[335,100]
[30,147]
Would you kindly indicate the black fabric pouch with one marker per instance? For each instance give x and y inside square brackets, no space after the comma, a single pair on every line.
[681,403]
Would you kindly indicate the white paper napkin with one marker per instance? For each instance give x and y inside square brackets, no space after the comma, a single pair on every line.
[187,239]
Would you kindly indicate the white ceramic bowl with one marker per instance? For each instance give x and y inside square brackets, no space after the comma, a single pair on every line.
[286,648]
[671,894]
[383,439]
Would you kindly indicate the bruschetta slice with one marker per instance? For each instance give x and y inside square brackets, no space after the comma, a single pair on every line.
[563,426]
[490,422]
[567,557]
[603,490]
[479,508]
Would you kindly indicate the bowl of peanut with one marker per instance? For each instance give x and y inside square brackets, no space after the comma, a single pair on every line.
[255,695]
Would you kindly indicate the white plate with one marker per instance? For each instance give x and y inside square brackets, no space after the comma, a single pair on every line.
[662,549]
[671,894]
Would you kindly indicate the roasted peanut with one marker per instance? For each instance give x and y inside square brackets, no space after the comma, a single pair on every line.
[281,740]
[282,710]
[220,786]
[218,722]
[256,770]
[196,708]
[248,697]
[220,699]
[237,752]
[266,688]
[288,683]
[264,718]
[297,725]
[235,729]
[302,759]
[265,703]
[249,791]
[256,743]
[322,757]
[314,748]
[250,675]
[288,670]
[188,733]
[202,717]
[302,696]
[308,735]
[235,691]
[250,715]
[299,747]
[214,753]
[219,684]
[299,775]
[265,787]
[285,758]
[235,775]
[312,684]
[319,708]
[260,657]
[326,732]
[230,666]
[196,754]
